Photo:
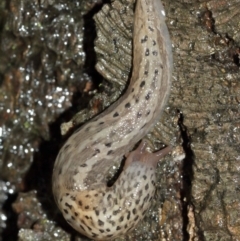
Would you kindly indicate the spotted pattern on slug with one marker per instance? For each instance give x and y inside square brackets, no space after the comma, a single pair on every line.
[91,207]
[79,176]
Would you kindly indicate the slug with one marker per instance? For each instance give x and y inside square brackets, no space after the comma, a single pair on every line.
[79,176]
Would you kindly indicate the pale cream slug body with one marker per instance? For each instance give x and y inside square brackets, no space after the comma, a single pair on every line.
[79,175]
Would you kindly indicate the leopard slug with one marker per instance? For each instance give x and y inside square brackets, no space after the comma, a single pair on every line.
[90,206]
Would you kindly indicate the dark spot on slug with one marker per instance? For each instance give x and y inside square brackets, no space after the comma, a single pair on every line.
[96,194]
[87,207]
[147,52]
[118,228]
[142,84]
[136,184]
[96,152]
[155,53]
[154,42]
[132,89]
[150,28]
[147,97]
[67,194]
[146,198]
[156,71]
[104,210]
[82,221]
[100,222]
[143,40]
[115,212]
[75,172]
[144,212]
[148,112]
[109,197]
[108,230]
[109,235]
[86,216]
[137,201]
[101,230]
[134,211]
[76,214]
[82,227]
[137,100]
[87,129]
[97,212]
[136,218]
[108,144]
[129,189]
[146,187]
[115,114]
[121,219]
[72,218]
[102,122]
[111,222]
[88,227]
[145,72]
[139,115]
[83,165]
[144,177]
[128,216]
[68,205]
[129,229]
[65,211]
[109,152]
[128,105]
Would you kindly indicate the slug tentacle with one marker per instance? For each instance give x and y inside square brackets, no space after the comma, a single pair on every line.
[79,175]
[141,155]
